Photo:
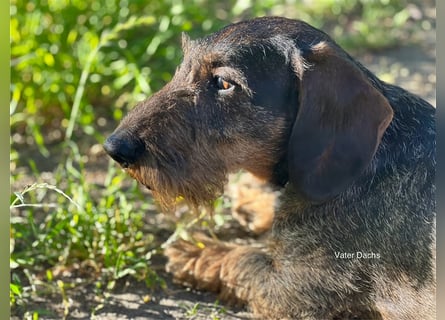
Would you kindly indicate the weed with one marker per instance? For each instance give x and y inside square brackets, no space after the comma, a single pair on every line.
[213,312]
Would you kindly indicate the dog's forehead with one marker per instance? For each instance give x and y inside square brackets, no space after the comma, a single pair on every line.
[250,31]
[237,39]
[201,57]
[208,52]
[250,40]
[263,29]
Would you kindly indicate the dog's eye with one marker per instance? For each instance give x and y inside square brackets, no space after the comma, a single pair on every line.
[222,84]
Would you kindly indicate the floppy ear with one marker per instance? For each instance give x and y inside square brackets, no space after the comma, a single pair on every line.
[339,125]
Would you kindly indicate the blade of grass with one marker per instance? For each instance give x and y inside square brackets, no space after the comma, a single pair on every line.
[105,38]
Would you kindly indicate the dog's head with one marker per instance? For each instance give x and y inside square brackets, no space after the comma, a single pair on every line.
[272,96]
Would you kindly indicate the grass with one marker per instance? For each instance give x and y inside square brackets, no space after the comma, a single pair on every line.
[213,312]
[52,235]
[54,232]
[70,62]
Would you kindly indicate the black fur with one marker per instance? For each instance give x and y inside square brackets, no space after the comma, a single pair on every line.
[354,232]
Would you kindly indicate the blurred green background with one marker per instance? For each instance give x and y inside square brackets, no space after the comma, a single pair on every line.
[76,68]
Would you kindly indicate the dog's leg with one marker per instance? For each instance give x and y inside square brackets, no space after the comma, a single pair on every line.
[271,288]
[242,276]
[239,274]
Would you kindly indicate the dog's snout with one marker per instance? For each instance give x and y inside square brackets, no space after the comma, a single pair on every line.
[123,148]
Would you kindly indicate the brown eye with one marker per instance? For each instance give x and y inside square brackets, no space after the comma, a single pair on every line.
[222,84]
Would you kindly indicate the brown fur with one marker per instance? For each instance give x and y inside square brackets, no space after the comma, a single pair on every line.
[253,202]
[354,156]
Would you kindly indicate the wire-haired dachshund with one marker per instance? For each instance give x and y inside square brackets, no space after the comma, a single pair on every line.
[353,234]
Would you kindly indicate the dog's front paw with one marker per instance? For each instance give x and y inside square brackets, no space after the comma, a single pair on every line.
[197,264]
[253,203]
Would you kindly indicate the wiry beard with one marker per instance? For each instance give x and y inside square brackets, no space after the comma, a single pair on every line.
[199,182]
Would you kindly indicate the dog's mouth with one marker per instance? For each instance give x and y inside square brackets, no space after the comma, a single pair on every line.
[134,171]
[167,185]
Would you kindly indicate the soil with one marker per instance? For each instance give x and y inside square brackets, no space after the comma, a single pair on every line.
[410,66]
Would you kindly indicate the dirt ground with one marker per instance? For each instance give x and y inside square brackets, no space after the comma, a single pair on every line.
[411,66]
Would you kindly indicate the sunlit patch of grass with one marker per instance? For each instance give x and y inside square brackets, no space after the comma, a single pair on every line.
[55,234]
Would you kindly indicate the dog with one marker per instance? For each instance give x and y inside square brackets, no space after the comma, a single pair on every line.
[353,233]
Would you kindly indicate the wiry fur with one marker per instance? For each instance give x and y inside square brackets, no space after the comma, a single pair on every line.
[355,157]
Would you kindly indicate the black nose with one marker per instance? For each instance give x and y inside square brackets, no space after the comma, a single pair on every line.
[124,148]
